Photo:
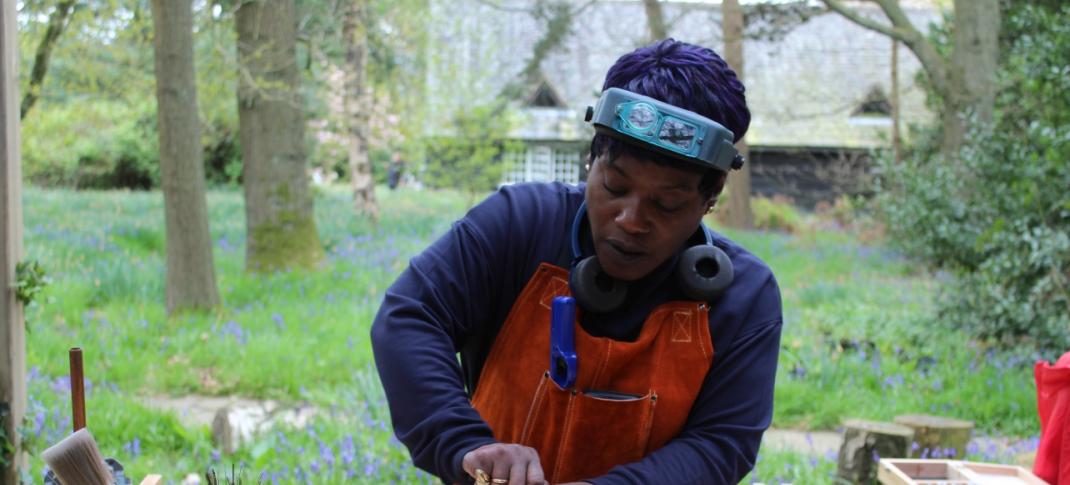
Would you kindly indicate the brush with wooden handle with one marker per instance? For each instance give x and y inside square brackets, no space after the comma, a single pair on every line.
[76,460]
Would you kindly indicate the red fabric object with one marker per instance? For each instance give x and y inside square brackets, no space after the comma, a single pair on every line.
[1053,406]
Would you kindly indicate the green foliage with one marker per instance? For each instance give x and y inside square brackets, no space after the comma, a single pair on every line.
[234,477]
[293,336]
[470,158]
[785,467]
[95,126]
[6,446]
[859,341]
[999,222]
[776,214]
[30,279]
[92,144]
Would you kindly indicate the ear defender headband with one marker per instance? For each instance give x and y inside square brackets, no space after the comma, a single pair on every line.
[681,134]
[703,273]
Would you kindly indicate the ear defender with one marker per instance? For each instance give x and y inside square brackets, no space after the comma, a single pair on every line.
[594,290]
[704,272]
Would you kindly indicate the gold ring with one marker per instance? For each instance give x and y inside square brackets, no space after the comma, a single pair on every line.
[499,480]
[481,477]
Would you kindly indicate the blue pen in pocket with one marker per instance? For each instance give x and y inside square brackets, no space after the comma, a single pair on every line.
[563,359]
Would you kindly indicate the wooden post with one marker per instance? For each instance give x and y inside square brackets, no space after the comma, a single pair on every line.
[12,331]
[866,442]
[740,214]
[937,437]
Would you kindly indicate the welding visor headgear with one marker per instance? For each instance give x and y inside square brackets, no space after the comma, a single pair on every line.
[664,128]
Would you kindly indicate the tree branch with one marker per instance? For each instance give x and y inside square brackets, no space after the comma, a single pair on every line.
[558,16]
[904,31]
[581,8]
[57,23]
[498,6]
[850,14]
[935,65]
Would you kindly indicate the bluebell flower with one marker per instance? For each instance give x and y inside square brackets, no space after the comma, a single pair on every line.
[371,469]
[133,448]
[235,329]
[61,385]
[327,454]
[348,450]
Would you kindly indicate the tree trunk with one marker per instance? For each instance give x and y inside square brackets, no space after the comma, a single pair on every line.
[655,20]
[190,269]
[974,62]
[280,227]
[936,436]
[357,105]
[12,327]
[57,23]
[864,444]
[739,210]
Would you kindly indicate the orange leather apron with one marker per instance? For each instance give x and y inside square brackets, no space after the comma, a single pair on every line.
[630,398]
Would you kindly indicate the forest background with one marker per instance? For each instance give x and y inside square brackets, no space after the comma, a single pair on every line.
[951,281]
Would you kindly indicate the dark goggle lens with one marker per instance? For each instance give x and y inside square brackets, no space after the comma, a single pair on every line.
[677,133]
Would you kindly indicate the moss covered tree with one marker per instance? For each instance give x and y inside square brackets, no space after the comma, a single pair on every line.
[280,228]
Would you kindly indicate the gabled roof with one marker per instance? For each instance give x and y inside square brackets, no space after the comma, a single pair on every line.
[544,95]
[803,89]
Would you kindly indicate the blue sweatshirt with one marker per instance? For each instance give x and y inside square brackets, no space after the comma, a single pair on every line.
[454,297]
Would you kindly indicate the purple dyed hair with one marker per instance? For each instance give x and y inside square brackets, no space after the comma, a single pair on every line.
[684,75]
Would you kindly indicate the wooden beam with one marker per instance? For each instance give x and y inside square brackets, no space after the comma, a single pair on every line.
[12,329]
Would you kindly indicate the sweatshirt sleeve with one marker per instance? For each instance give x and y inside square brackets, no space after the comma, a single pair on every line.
[452,292]
[720,442]
[416,334]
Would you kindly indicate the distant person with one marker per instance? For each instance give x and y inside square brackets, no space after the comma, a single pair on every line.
[676,329]
[395,171]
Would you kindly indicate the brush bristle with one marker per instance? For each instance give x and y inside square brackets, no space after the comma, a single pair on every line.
[77,461]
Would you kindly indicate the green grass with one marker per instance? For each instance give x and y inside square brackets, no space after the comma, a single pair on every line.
[859,338]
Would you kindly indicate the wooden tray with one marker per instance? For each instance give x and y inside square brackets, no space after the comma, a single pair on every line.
[952,472]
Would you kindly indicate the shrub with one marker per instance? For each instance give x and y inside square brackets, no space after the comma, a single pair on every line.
[105,144]
[470,157]
[91,144]
[222,153]
[776,214]
[999,220]
[853,214]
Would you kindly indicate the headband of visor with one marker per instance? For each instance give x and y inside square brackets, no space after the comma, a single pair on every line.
[664,128]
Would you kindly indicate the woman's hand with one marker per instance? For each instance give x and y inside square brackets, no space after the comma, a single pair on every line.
[505,463]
